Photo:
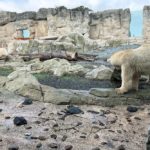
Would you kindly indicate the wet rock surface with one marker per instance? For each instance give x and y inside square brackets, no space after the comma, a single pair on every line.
[98,127]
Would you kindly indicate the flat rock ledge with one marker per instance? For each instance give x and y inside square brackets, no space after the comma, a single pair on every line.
[26,85]
[96,96]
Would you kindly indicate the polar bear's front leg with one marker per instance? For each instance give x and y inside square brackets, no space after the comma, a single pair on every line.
[127,77]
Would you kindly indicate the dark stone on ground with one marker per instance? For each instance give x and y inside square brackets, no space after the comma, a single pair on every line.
[46,129]
[73,110]
[96,136]
[38,145]
[119,131]
[27,101]
[13,147]
[68,147]
[34,137]
[1,110]
[55,125]
[93,112]
[53,145]
[37,122]
[64,138]
[42,138]
[83,136]
[53,136]
[28,127]
[132,109]
[96,148]
[18,121]
[121,147]
[137,118]
[7,117]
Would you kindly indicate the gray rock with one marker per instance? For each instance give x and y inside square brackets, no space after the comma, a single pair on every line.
[101,73]
[118,27]
[103,92]
[26,15]
[42,14]
[24,84]
[6,17]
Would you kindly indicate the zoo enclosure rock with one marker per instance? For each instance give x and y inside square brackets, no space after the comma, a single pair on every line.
[110,24]
[26,85]
[61,21]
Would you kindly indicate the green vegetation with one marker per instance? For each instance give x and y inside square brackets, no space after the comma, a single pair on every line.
[115,43]
[5,71]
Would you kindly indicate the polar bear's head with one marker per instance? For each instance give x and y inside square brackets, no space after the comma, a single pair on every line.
[116,58]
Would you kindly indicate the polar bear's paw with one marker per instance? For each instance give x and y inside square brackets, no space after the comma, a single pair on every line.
[120,90]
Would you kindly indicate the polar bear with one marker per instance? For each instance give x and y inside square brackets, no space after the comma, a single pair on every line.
[133,63]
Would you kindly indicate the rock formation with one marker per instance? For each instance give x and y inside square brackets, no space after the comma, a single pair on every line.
[146,22]
[110,24]
[62,21]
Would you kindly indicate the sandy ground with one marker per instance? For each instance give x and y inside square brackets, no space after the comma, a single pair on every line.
[97,127]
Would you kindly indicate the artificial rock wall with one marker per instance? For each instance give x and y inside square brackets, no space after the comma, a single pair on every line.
[110,24]
[146,22]
[60,21]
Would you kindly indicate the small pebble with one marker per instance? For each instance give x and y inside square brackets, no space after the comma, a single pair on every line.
[68,147]
[28,127]
[83,136]
[53,136]
[1,110]
[1,101]
[34,137]
[121,147]
[132,109]
[42,138]
[38,145]
[27,102]
[7,117]
[96,148]
[119,131]
[96,136]
[13,147]
[40,113]
[55,125]
[137,118]
[53,145]
[37,122]
[46,129]
[64,138]
[18,121]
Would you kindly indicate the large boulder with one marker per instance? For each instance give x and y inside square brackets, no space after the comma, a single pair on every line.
[24,84]
[101,73]
[58,67]
[81,43]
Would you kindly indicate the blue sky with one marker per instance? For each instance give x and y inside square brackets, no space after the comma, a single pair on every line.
[136,26]
[97,5]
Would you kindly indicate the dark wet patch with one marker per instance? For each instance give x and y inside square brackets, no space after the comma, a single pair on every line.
[73,82]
